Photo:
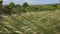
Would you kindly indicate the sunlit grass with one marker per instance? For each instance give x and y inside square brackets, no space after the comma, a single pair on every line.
[35,22]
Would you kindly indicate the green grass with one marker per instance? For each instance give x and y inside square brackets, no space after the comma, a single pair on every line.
[34,23]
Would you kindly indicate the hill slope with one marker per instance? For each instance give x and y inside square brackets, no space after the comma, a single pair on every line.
[33,23]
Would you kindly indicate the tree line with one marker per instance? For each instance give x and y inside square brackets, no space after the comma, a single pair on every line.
[11,8]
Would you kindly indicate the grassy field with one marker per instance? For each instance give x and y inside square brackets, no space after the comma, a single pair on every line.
[33,23]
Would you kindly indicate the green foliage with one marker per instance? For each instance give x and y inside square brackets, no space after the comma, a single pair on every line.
[11,8]
[7,10]
[11,5]
[25,4]
[1,7]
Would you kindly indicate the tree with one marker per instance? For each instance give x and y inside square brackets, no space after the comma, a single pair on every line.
[11,4]
[25,4]
[8,8]
[1,6]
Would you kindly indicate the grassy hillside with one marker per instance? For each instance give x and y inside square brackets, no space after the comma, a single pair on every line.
[33,23]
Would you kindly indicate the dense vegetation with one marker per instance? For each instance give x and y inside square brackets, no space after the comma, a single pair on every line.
[29,19]
[11,8]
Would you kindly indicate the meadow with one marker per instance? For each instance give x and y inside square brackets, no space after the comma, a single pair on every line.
[29,19]
[33,23]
